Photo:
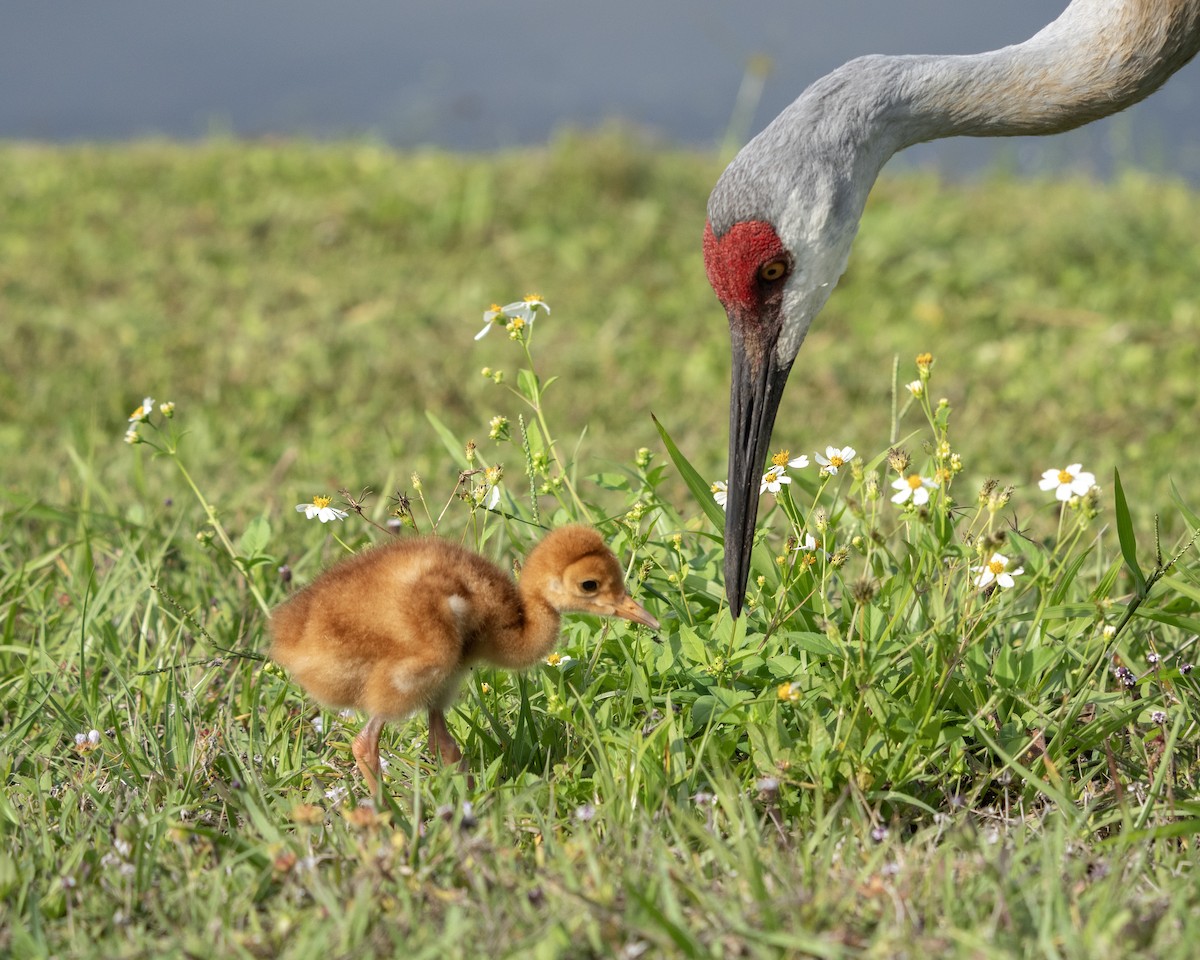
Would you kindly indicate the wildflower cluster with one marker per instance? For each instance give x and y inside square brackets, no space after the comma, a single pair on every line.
[141,416]
[912,487]
[487,493]
[1126,676]
[514,317]
[776,477]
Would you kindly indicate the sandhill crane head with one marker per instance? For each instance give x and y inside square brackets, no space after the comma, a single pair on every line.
[774,248]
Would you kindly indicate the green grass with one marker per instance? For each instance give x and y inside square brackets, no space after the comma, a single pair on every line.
[880,760]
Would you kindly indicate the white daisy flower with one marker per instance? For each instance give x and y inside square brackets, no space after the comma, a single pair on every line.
[914,487]
[807,544]
[720,492]
[996,570]
[784,459]
[773,480]
[142,413]
[321,510]
[489,319]
[835,458]
[515,314]
[1072,481]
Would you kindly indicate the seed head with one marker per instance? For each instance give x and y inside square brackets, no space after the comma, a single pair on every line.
[899,460]
[986,491]
[863,589]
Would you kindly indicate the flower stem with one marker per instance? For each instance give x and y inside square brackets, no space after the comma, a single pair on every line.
[211,512]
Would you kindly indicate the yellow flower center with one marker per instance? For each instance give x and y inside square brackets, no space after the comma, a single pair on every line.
[516,323]
[996,567]
[322,502]
[139,412]
[715,488]
[534,298]
[836,461]
[914,480]
[554,659]
[1064,477]
[495,308]
[808,559]
[781,458]
[924,360]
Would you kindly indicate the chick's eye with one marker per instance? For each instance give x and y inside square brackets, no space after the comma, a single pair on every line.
[772,271]
[589,586]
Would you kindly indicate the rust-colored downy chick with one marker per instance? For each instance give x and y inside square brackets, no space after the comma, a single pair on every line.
[391,630]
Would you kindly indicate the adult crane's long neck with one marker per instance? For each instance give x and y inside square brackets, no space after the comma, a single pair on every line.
[1096,59]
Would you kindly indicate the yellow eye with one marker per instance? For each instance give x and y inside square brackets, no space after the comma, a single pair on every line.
[772,271]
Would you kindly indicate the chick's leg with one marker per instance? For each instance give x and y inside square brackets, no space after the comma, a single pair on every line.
[366,751]
[421,676]
[441,741]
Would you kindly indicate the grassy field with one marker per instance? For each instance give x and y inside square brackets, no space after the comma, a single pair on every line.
[884,758]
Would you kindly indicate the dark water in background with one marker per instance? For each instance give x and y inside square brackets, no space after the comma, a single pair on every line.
[481,74]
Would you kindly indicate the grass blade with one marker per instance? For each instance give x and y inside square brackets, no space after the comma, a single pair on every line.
[1125,534]
[695,483]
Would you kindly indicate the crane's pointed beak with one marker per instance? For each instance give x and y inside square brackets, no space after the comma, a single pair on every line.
[630,609]
[758,383]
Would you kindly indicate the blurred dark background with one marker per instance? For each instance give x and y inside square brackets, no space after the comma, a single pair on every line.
[482,74]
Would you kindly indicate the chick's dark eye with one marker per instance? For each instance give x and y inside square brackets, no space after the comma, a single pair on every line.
[589,586]
[773,270]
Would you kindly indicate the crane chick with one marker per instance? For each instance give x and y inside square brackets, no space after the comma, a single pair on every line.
[391,630]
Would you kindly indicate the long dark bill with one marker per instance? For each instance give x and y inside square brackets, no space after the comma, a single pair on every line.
[754,400]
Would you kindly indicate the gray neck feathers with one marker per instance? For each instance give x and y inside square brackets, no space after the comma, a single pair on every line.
[1097,58]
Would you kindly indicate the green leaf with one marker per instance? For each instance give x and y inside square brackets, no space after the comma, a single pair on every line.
[453,445]
[1188,513]
[692,646]
[255,537]
[699,487]
[527,383]
[1125,535]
